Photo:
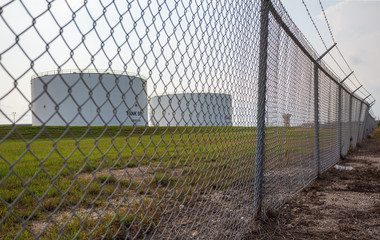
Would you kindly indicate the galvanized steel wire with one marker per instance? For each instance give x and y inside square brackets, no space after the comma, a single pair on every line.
[176,120]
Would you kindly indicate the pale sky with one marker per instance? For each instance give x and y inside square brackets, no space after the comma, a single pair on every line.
[355,25]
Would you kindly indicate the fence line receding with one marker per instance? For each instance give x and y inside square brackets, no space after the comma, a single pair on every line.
[144,119]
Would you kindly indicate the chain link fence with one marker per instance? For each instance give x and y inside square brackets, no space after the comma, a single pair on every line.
[161,119]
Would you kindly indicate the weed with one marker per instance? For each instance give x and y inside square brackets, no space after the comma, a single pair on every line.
[108,179]
[50,204]
[351,150]
[128,220]
[163,179]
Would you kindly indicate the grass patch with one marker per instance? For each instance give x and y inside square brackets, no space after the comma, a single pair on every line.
[62,173]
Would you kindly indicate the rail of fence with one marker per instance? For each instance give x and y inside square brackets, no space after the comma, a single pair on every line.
[236,114]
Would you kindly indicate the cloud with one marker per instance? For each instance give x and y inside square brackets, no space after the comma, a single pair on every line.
[355,25]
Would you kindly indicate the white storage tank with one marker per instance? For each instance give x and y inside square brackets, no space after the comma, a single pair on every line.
[89,99]
[191,109]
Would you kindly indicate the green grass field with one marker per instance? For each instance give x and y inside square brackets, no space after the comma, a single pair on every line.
[143,170]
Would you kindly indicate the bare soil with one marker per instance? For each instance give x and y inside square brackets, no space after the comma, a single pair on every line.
[137,173]
[341,204]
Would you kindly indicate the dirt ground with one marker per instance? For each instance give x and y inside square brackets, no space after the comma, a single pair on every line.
[341,204]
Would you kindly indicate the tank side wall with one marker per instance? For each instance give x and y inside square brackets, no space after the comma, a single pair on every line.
[197,109]
[89,99]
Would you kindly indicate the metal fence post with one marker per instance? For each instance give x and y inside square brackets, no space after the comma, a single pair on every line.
[316,110]
[360,116]
[350,121]
[365,131]
[316,119]
[340,119]
[260,135]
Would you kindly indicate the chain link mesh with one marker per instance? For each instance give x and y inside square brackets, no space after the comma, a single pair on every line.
[328,122]
[290,112]
[137,119]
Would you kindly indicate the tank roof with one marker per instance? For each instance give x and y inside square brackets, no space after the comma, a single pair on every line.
[190,93]
[90,71]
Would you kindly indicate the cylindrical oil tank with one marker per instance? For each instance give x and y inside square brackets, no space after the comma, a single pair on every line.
[191,109]
[89,99]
